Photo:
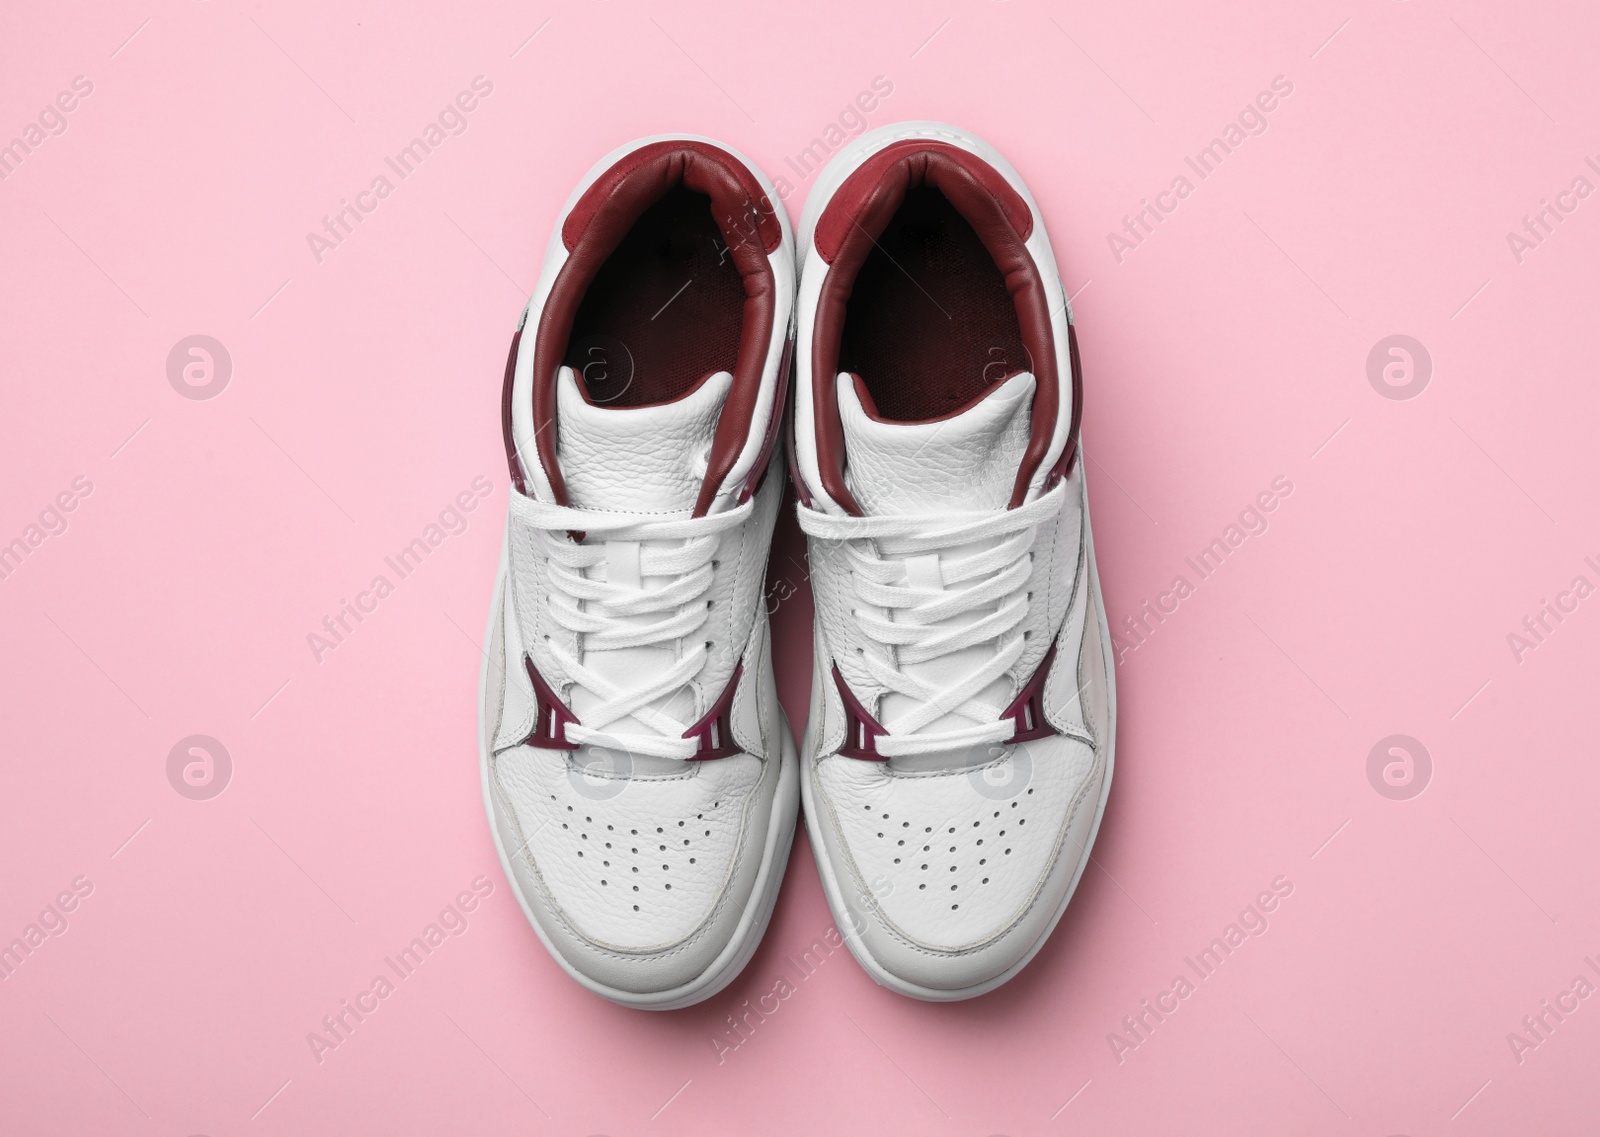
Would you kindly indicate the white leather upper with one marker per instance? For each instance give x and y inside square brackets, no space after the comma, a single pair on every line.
[951,867]
[572,808]
[523,431]
[639,870]
[1056,555]
[964,462]
[814,273]
[633,861]
[954,858]
[638,459]
[735,613]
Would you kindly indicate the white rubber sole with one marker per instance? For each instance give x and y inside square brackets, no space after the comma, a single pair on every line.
[828,182]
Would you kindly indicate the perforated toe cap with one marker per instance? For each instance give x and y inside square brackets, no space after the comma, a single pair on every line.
[952,877]
[637,881]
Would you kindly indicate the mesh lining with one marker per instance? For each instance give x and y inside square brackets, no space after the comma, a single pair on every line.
[637,339]
[930,324]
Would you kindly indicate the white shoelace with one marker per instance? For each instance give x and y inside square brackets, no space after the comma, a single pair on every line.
[604,614]
[883,551]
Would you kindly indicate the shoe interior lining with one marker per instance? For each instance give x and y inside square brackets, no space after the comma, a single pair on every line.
[666,308]
[930,324]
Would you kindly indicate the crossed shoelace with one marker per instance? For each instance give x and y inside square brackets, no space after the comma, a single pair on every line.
[882,551]
[605,615]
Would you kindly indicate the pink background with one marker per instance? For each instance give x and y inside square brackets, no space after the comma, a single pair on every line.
[1227,350]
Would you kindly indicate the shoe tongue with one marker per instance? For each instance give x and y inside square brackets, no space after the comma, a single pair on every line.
[966,461]
[639,459]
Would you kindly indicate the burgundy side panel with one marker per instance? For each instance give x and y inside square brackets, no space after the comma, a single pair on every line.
[1026,711]
[862,731]
[505,415]
[775,422]
[551,716]
[1069,452]
[714,730]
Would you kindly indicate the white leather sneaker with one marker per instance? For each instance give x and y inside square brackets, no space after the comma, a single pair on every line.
[640,778]
[959,749]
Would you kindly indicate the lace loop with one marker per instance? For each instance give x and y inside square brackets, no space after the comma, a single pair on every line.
[910,623]
[608,615]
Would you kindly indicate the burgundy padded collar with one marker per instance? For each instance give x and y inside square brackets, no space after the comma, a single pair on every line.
[593,230]
[847,232]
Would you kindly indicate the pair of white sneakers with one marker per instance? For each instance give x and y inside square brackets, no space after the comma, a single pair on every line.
[640,777]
